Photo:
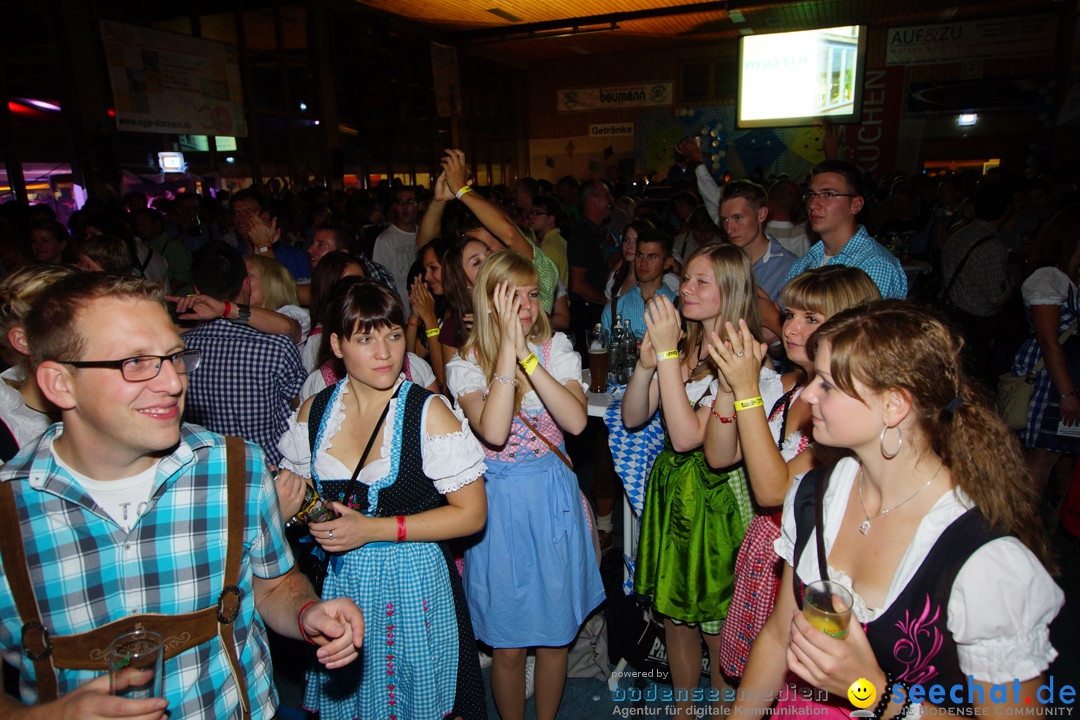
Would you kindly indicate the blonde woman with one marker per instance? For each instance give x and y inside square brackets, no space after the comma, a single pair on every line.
[532,577]
[274,288]
[694,517]
[24,411]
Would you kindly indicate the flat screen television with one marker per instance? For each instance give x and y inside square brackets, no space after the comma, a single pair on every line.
[794,78]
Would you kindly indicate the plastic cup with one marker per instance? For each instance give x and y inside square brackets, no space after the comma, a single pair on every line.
[827,605]
[135,662]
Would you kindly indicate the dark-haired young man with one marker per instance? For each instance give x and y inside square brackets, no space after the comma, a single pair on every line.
[743,209]
[833,201]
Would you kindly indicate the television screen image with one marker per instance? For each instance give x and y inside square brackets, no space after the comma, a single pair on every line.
[794,78]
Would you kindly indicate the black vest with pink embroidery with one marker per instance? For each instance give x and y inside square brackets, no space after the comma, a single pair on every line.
[911,639]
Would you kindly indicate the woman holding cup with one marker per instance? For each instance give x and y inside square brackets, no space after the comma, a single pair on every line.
[932,515]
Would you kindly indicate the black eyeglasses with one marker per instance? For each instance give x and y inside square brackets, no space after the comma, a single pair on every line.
[404,202]
[145,367]
[809,196]
[534,211]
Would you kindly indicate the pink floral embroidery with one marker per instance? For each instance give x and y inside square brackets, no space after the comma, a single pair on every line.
[920,646]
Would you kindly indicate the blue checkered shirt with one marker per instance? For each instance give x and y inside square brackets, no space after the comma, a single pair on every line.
[632,307]
[86,571]
[245,383]
[865,253]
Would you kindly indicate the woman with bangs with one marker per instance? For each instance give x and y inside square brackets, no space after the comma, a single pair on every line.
[531,578]
[774,446]
[695,516]
[400,468]
[930,524]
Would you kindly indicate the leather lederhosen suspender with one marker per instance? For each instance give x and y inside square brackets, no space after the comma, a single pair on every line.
[88,650]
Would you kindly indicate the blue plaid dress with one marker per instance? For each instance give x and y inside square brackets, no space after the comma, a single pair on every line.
[1043,410]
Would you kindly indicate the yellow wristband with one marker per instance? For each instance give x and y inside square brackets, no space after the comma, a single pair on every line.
[749,403]
[667,355]
[529,364]
[432,332]
[462,191]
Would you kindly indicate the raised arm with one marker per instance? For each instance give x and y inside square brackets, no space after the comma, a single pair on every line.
[497,222]
[204,307]
[431,221]
[685,425]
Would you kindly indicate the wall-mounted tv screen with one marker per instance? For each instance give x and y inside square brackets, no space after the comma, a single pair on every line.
[794,78]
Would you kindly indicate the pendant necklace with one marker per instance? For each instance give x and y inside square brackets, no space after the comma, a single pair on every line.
[864,528]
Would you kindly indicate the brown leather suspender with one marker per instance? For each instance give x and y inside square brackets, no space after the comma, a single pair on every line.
[88,650]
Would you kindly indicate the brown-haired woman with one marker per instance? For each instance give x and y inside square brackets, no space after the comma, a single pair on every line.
[931,526]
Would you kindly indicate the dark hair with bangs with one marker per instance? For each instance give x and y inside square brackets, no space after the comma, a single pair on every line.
[359,305]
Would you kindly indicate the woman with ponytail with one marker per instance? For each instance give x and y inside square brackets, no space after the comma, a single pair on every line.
[931,526]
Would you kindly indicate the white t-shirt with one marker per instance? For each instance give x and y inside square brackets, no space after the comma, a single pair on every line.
[996,641]
[395,249]
[124,500]
[452,461]
[24,423]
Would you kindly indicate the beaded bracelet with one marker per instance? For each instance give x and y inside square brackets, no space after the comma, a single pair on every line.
[886,698]
[749,403]
[505,380]
[724,419]
[667,355]
[529,364]
[300,623]
[432,332]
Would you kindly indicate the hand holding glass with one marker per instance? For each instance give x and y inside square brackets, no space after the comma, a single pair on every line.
[135,661]
[827,605]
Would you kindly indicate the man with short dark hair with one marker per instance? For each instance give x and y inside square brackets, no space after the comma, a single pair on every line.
[256,232]
[249,381]
[743,209]
[395,248]
[653,251]
[833,201]
[150,228]
[121,517]
[333,237]
[585,257]
[544,220]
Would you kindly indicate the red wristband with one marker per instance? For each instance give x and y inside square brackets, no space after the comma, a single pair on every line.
[721,418]
[401,528]
[299,615]
[228,309]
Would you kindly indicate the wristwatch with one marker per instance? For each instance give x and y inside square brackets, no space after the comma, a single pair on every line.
[243,314]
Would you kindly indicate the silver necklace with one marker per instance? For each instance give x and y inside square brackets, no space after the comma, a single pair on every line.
[865,527]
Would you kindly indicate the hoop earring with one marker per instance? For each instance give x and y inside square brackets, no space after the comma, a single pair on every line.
[899,443]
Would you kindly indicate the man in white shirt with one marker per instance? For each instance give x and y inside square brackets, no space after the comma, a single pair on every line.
[395,248]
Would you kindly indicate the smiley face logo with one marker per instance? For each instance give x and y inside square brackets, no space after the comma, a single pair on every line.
[862,693]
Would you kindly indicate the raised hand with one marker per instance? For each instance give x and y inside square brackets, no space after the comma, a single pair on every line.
[739,359]
[663,323]
[423,303]
[455,169]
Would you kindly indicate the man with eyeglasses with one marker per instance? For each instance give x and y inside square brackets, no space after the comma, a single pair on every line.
[395,248]
[833,201]
[120,515]
[544,220]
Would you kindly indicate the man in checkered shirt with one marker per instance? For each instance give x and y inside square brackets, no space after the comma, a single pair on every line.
[123,511]
[248,381]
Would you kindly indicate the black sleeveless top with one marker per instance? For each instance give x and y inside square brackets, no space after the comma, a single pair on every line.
[399,498]
[911,639]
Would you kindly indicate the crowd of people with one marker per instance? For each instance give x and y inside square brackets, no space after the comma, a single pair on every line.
[822,394]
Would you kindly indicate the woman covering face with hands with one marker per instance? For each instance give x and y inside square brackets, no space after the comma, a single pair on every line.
[401,470]
[531,578]
[773,441]
[694,516]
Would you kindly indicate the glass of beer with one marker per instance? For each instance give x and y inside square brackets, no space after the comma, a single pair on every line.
[827,605]
[598,359]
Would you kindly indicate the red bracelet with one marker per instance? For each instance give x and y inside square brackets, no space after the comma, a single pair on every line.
[414,324]
[401,528]
[299,615]
[729,419]
[228,309]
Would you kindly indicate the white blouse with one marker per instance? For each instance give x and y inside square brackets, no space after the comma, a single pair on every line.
[463,375]
[996,641]
[452,461]
[24,423]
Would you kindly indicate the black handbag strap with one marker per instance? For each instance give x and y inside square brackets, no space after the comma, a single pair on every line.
[351,487]
[963,261]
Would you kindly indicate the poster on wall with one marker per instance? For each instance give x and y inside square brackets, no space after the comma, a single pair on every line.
[170,83]
[652,94]
[951,42]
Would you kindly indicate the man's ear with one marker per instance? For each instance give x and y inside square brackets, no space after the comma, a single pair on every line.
[56,384]
[763,214]
[17,339]
[857,205]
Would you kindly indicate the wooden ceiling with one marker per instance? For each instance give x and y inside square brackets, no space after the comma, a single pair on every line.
[535,30]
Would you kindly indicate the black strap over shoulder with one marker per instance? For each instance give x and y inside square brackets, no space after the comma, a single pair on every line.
[809,510]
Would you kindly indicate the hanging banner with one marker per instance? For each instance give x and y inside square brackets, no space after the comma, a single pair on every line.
[170,83]
[615,96]
[951,42]
[872,143]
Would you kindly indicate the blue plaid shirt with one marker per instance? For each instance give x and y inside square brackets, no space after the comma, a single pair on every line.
[245,383]
[865,253]
[86,571]
[632,307]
